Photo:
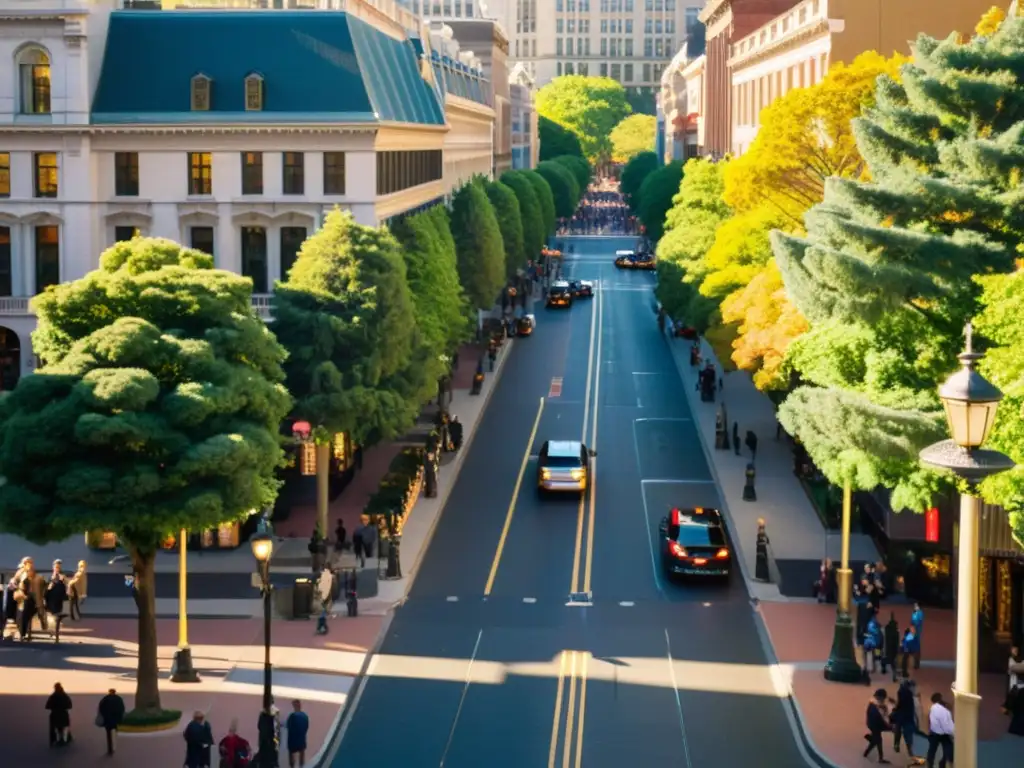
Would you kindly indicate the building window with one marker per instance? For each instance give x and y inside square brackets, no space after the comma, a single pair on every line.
[202,89]
[126,174]
[558,47]
[252,173]
[5,261]
[47,257]
[34,70]
[5,174]
[124,234]
[46,174]
[648,26]
[629,46]
[617,72]
[629,26]
[648,47]
[200,173]
[294,177]
[334,173]
[558,69]
[604,69]
[401,170]
[253,93]
[604,46]
[292,239]
[254,257]
[647,73]
[628,76]
[568,46]
[559,27]
[202,239]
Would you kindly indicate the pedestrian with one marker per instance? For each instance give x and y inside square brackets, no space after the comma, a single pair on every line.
[904,719]
[863,616]
[109,716]
[297,726]
[77,587]
[873,641]
[59,706]
[891,645]
[369,535]
[917,621]
[940,732]
[909,648]
[29,596]
[831,586]
[1014,676]
[1016,709]
[877,723]
[455,427]
[55,597]
[235,751]
[340,536]
[198,740]
[268,727]
[751,442]
[736,437]
[761,569]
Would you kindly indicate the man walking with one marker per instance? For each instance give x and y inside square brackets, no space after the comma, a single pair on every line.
[110,714]
[917,622]
[940,732]
[752,444]
[297,726]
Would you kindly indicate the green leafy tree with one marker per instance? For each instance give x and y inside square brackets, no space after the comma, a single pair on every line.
[564,188]
[510,222]
[556,140]
[884,272]
[534,225]
[642,100]
[633,135]
[545,199]
[590,107]
[656,195]
[634,174]
[579,168]
[156,408]
[478,245]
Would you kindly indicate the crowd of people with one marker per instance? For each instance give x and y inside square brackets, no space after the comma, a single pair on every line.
[31,600]
[601,211]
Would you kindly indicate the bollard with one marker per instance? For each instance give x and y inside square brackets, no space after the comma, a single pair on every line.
[749,492]
[478,378]
[761,572]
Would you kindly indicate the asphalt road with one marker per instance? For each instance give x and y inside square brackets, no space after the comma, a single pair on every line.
[487,665]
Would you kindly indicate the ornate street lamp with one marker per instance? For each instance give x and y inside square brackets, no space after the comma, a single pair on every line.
[970,402]
[182,668]
[262,548]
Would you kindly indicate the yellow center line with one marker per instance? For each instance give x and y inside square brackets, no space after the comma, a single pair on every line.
[512,504]
[581,511]
[593,444]
[583,708]
[570,713]
[553,749]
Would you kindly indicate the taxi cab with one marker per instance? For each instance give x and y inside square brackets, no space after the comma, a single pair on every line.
[563,465]
[560,294]
[693,543]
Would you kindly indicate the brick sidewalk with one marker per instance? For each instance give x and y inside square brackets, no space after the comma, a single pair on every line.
[100,654]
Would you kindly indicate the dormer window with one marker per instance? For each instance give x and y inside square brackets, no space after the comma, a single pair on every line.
[253,93]
[34,74]
[202,86]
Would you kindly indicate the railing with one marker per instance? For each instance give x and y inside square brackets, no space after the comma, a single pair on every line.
[262,306]
[799,17]
[14,305]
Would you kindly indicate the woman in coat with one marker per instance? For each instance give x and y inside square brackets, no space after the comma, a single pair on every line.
[59,705]
[198,740]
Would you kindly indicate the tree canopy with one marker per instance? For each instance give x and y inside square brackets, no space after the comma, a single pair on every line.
[156,408]
[579,167]
[634,134]
[545,199]
[564,187]
[656,195]
[556,140]
[534,225]
[634,174]
[478,245]
[590,107]
[510,222]
[347,319]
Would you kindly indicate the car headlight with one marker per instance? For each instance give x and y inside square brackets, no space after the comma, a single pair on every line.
[577,474]
[545,474]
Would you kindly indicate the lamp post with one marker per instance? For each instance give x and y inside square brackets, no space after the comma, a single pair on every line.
[970,402]
[842,666]
[182,669]
[262,548]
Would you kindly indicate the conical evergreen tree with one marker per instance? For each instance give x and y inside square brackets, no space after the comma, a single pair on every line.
[884,271]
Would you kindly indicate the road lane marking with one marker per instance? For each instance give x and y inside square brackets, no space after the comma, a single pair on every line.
[512,504]
[627,603]
[530,600]
[555,390]
[570,714]
[660,481]
[650,538]
[581,509]
[583,709]
[661,418]
[679,701]
[559,692]
[453,599]
[588,569]
[462,700]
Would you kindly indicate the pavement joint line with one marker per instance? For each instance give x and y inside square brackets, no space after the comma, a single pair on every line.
[453,599]
[462,699]
[530,600]
[627,603]
[661,418]
[666,481]
[679,701]
[650,533]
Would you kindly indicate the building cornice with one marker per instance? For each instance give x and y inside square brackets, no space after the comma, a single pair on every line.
[713,10]
[773,48]
[216,130]
[468,107]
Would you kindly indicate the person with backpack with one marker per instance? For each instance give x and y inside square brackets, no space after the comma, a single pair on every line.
[235,751]
[873,642]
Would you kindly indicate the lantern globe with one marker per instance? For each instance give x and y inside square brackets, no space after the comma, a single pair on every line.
[262,547]
[970,402]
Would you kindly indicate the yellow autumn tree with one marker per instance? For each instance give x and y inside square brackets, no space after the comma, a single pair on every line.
[990,22]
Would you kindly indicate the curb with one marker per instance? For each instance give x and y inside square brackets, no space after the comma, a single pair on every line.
[810,752]
[326,754]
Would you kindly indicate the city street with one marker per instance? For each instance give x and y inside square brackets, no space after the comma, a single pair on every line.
[488,661]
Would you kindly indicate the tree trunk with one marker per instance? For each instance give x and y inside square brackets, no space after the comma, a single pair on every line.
[147,675]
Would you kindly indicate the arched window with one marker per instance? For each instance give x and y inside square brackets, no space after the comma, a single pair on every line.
[253,93]
[34,81]
[202,91]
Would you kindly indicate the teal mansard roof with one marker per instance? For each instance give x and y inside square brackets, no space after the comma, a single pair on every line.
[315,67]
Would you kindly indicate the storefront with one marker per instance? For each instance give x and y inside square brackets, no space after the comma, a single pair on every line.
[226,536]
[1001,578]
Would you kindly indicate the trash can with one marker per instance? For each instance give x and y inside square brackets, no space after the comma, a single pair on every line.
[302,599]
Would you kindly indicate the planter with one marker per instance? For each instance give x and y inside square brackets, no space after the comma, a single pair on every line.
[163,721]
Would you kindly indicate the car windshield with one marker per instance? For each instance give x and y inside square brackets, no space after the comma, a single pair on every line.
[694,535]
[559,290]
[562,462]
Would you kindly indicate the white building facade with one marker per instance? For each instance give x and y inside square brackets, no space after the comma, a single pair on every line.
[525,142]
[237,159]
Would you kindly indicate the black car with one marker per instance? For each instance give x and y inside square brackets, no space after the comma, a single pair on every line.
[582,289]
[693,543]
[560,294]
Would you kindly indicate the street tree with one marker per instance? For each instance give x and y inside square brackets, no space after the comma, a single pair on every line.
[156,408]
[990,21]
[590,107]
[534,226]
[510,222]
[556,140]
[347,319]
[883,274]
[656,195]
[478,245]
[545,199]
[634,134]
[637,170]
[564,187]
[579,167]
